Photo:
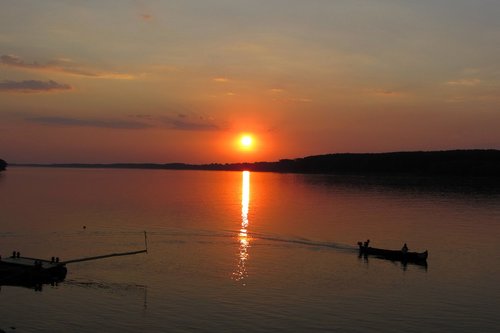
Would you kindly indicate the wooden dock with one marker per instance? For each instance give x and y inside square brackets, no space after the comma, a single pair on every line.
[30,262]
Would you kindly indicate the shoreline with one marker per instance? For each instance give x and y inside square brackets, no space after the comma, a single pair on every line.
[461,163]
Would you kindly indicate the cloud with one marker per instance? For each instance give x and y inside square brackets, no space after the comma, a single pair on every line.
[284,96]
[32,86]
[182,122]
[276,91]
[221,79]
[100,123]
[386,93]
[62,65]
[146,17]
[464,82]
[143,116]
[185,122]
[301,100]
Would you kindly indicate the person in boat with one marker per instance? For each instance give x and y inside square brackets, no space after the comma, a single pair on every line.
[404,249]
[365,244]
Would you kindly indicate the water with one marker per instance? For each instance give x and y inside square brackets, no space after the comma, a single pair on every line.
[257,252]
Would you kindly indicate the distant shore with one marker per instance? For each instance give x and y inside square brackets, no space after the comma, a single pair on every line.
[463,163]
[3,165]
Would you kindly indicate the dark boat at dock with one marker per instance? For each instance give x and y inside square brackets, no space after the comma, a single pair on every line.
[30,272]
[33,272]
[394,255]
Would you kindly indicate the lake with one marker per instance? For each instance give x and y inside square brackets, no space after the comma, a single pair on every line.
[254,252]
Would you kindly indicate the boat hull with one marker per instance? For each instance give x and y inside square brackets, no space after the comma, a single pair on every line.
[14,274]
[395,255]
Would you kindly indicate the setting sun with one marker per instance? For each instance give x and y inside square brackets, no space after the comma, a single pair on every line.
[245,145]
[246,141]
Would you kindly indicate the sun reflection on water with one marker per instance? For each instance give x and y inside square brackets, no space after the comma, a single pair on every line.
[241,272]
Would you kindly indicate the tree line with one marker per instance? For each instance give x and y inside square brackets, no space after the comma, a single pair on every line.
[465,163]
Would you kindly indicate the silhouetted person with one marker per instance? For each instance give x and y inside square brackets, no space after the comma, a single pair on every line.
[404,249]
[365,244]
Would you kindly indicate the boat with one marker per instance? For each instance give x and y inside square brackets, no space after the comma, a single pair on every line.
[30,272]
[33,272]
[394,255]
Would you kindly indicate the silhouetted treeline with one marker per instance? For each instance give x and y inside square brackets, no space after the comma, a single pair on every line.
[3,165]
[454,162]
[477,163]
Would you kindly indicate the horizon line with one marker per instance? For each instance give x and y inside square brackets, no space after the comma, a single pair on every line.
[239,163]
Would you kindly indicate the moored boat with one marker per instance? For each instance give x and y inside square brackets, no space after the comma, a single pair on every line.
[30,272]
[25,271]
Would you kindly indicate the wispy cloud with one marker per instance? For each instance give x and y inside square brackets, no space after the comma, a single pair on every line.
[100,123]
[302,100]
[61,65]
[464,82]
[386,93]
[221,79]
[32,86]
[276,91]
[180,121]
[284,96]
[185,122]
[292,99]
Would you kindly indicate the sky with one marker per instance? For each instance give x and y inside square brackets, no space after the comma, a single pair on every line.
[180,80]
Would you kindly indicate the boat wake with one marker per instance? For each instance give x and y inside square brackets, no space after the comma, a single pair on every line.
[301,241]
[89,284]
[182,235]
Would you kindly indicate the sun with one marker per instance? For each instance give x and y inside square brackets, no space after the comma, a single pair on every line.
[246,142]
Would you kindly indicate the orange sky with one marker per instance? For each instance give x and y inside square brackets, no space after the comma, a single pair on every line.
[179,81]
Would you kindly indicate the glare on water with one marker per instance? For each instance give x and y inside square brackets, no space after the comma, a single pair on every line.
[241,271]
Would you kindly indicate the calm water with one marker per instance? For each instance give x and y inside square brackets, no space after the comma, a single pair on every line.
[257,252]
